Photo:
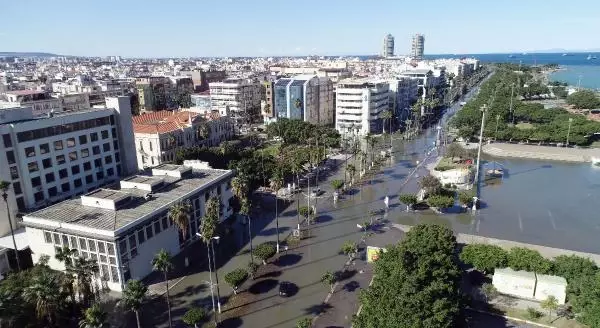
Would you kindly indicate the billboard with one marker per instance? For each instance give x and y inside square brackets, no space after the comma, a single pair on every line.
[373,253]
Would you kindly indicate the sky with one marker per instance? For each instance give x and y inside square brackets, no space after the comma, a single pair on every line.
[219,28]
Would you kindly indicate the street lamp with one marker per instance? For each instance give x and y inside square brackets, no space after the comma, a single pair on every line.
[4,187]
[483,109]
[496,133]
[212,295]
[569,131]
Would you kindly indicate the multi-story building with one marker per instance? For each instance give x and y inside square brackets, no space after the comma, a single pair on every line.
[403,93]
[123,227]
[201,101]
[159,135]
[237,98]
[388,46]
[266,105]
[304,97]
[41,102]
[418,46]
[153,92]
[424,77]
[75,101]
[48,159]
[202,78]
[359,105]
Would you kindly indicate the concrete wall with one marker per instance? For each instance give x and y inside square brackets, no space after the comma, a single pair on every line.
[518,283]
[126,138]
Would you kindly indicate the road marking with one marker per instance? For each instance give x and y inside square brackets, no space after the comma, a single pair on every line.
[552,220]
[520,222]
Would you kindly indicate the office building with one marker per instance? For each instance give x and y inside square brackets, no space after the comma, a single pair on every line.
[359,105]
[202,78]
[159,135]
[403,93]
[123,227]
[418,46]
[153,93]
[388,46]
[51,158]
[304,97]
[236,98]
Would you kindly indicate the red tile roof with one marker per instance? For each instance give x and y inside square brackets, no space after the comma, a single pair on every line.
[163,121]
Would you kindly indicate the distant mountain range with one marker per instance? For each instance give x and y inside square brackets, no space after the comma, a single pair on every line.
[27,54]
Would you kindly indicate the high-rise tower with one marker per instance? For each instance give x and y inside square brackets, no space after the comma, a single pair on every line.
[388,46]
[418,46]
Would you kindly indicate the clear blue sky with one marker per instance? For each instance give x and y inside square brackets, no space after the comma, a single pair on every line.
[176,28]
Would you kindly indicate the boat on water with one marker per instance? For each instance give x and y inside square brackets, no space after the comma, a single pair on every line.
[496,173]
[511,56]
[589,57]
[564,55]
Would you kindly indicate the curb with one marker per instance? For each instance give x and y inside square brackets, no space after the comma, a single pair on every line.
[512,318]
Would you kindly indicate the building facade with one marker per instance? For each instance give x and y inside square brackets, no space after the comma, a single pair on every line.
[159,135]
[123,228]
[388,46]
[359,105]
[304,97]
[41,102]
[418,46]
[403,93]
[153,93]
[236,98]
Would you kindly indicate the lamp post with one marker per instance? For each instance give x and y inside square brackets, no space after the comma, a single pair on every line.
[216,270]
[4,187]
[212,294]
[483,109]
[569,131]
[496,133]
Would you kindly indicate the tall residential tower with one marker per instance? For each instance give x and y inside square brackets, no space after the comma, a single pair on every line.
[418,46]
[388,46]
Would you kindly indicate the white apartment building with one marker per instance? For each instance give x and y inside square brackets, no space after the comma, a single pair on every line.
[304,97]
[124,227]
[158,135]
[359,105]
[237,98]
[48,159]
[403,93]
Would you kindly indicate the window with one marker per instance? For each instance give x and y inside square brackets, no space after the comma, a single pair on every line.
[98,162]
[116,145]
[17,188]
[73,156]
[165,224]
[82,139]
[14,174]
[85,153]
[149,231]
[103,258]
[65,187]
[35,182]
[141,236]
[108,159]
[132,243]
[58,145]
[141,145]
[114,132]
[89,178]
[111,248]
[77,183]
[106,147]
[65,240]
[206,196]
[92,245]
[48,237]
[30,151]
[62,173]
[96,150]
[102,248]
[32,167]
[82,244]
[123,246]
[110,172]
[94,136]
[104,272]
[75,169]
[38,196]
[71,142]
[10,157]
[49,177]
[21,204]
[87,166]
[60,159]
[47,163]
[7,140]
[44,148]
[157,226]
[99,175]
[52,191]
[150,145]
[112,260]
[104,134]
[115,274]
[56,238]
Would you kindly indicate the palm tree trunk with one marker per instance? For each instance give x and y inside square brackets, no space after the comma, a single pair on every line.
[277,220]
[12,232]
[137,318]
[168,303]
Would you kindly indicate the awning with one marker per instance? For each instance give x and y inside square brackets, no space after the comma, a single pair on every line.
[20,239]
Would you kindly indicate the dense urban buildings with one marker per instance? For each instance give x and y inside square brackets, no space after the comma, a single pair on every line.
[236,98]
[388,46]
[359,105]
[122,228]
[418,46]
[304,97]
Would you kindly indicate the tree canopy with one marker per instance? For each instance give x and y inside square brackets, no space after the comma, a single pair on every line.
[484,257]
[584,99]
[520,258]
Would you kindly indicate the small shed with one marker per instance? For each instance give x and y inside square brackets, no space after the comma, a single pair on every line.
[551,286]
[517,283]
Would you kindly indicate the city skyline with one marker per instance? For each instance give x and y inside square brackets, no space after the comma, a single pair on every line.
[198,30]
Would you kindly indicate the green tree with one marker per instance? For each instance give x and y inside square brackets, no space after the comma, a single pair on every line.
[162,262]
[307,212]
[586,300]
[440,201]
[180,215]
[533,313]
[304,323]
[84,270]
[584,99]
[483,257]
[489,291]
[235,278]
[408,199]
[337,184]
[572,267]
[465,197]
[520,258]
[431,184]
[349,248]
[133,296]
[265,251]
[183,99]
[329,279]
[44,292]
[455,150]
[276,184]
[416,283]
[550,304]
[194,316]
[252,269]
[65,255]
[208,225]
[93,317]
[351,169]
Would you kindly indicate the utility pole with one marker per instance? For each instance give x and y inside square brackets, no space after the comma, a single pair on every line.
[483,109]
[512,91]
[569,131]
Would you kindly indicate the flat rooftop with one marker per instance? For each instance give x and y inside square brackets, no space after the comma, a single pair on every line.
[71,216]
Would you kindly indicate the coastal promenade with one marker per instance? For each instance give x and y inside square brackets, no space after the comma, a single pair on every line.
[584,155]
[545,251]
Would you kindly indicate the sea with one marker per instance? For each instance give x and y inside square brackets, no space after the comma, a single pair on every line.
[575,68]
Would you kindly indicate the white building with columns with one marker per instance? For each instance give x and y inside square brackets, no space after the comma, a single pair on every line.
[359,106]
[123,228]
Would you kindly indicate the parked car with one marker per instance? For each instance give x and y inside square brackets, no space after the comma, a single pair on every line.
[285,288]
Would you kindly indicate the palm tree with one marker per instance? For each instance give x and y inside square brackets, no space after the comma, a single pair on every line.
[44,293]
[351,171]
[162,262]
[133,295]
[65,255]
[276,184]
[93,317]
[180,215]
[387,117]
[4,185]
[239,187]
[84,270]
